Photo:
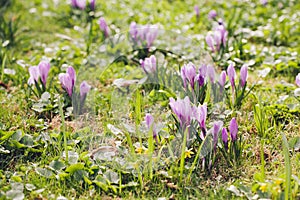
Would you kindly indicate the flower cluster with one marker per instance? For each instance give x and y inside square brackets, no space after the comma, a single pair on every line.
[39,72]
[217,39]
[143,34]
[68,80]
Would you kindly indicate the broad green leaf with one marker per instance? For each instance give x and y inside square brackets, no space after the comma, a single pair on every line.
[74,167]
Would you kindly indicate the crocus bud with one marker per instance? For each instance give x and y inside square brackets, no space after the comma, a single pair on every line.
[92,4]
[298,80]
[210,42]
[84,89]
[200,113]
[74,3]
[188,72]
[150,124]
[133,30]
[233,129]
[231,75]
[225,137]
[149,64]
[212,14]
[104,27]
[34,74]
[222,79]
[44,68]
[72,73]
[197,11]
[243,75]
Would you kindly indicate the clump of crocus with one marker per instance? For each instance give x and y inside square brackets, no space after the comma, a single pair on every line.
[217,39]
[143,34]
[39,72]
[212,14]
[68,81]
[149,65]
[151,125]
[104,27]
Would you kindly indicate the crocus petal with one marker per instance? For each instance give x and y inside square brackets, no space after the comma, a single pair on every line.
[72,74]
[222,79]
[197,11]
[231,74]
[81,4]
[66,83]
[233,129]
[84,89]
[224,135]
[188,72]
[44,68]
[244,75]
[210,42]
[183,109]
[133,30]
[104,27]
[211,73]
[149,120]
[298,80]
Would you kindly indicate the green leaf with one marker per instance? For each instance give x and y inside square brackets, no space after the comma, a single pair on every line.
[74,167]
[112,176]
[57,165]
[44,172]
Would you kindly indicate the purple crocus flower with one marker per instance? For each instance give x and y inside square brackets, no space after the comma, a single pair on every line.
[231,74]
[264,2]
[298,80]
[92,4]
[212,14]
[233,129]
[197,11]
[188,72]
[34,74]
[84,89]
[67,80]
[149,64]
[183,109]
[225,137]
[211,73]
[222,79]
[244,75]
[44,68]
[104,27]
